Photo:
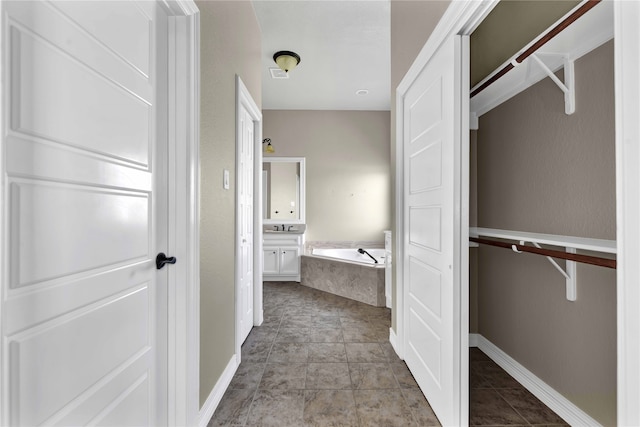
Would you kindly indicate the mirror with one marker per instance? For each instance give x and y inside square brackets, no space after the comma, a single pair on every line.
[283,192]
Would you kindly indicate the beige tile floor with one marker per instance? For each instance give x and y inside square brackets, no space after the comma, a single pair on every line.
[323,360]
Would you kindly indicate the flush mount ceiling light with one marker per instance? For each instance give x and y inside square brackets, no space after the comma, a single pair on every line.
[286,60]
[269,148]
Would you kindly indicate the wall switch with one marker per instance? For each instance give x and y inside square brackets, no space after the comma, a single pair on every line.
[225,179]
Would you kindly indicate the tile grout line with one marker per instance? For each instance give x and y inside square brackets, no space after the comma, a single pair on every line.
[512,407]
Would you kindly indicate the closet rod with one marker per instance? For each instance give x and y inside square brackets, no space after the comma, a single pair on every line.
[587,259]
[587,6]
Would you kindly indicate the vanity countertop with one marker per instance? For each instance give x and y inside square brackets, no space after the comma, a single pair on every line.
[283,232]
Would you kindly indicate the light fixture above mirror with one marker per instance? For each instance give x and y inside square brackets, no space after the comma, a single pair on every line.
[269,148]
[286,60]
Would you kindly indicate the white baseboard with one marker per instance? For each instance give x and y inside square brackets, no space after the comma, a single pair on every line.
[473,340]
[210,405]
[388,298]
[550,397]
[393,340]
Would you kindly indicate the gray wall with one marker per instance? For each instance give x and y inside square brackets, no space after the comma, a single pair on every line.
[230,44]
[412,22]
[540,170]
[347,169]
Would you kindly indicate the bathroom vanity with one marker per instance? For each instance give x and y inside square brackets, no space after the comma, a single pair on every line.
[283,195]
[281,256]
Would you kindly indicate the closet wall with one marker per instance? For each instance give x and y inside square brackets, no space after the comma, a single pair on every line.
[540,170]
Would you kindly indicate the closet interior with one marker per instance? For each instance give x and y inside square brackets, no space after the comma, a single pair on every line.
[542,200]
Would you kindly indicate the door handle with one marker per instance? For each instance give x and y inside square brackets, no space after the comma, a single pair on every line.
[162,259]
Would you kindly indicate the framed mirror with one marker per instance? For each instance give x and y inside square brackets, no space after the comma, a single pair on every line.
[283,190]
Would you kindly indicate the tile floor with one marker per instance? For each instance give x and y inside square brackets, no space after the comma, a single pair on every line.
[323,360]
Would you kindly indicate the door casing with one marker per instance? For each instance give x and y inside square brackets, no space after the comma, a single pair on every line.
[245,101]
[184,213]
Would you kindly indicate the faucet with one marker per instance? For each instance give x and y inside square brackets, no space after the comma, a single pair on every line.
[276,227]
[362,251]
[289,228]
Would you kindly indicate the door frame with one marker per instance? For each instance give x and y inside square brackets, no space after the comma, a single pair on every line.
[246,101]
[184,212]
[627,106]
[462,18]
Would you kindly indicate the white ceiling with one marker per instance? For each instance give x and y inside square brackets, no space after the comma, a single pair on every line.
[344,46]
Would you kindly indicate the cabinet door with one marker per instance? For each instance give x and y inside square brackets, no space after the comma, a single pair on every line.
[289,260]
[270,261]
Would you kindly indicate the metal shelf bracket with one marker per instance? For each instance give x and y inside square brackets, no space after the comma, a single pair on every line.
[568,87]
[569,274]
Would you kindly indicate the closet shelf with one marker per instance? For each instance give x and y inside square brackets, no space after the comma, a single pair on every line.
[570,243]
[582,243]
[558,46]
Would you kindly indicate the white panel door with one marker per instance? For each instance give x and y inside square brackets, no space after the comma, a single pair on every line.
[432,222]
[83,213]
[245,227]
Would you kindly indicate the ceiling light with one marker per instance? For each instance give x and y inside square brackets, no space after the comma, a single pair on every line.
[362,92]
[286,60]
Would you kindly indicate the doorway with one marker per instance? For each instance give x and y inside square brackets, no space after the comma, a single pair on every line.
[249,214]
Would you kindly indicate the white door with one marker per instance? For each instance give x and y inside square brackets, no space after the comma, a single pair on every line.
[83,213]
[245,226]
[432,229]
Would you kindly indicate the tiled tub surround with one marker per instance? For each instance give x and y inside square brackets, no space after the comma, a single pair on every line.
[322,360]
[364,283]
[358,282]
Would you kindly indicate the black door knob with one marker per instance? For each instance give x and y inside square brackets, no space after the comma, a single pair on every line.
[162,259]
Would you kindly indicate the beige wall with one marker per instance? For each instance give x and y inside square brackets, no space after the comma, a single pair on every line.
[412,22]
[347,169]
[540,170]
[230,45]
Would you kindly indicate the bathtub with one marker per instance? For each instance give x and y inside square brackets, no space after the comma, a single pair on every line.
[346,273]
[352,255]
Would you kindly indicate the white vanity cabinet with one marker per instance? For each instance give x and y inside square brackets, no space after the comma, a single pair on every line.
[281,257]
